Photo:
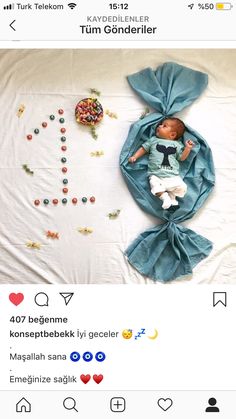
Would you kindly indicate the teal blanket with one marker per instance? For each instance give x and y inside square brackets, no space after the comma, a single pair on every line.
[168,250]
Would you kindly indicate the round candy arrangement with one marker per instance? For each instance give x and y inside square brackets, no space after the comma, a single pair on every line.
[89,111]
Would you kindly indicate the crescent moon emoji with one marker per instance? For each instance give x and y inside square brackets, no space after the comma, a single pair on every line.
[154,336]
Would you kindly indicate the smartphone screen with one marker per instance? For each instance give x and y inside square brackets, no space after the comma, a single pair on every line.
[117,230]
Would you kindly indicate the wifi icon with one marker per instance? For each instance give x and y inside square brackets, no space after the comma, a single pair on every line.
[72,5]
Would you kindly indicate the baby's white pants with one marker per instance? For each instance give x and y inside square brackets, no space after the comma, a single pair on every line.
[174,184]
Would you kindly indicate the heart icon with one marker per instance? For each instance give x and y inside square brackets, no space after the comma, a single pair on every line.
[98,378]
[165,404]
[85,378]
[16,299]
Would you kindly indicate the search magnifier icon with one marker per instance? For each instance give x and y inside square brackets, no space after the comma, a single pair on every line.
[69,404]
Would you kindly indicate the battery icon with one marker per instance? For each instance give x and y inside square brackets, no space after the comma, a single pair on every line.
[224,6]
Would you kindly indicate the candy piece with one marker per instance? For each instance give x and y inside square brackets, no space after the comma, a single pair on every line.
[84,199]
[64,169]
[64,201]
[27,169]
[74,200]
[65,190]
[37,202]
[85,230]
[61,120]
[52,234]
[52,117]
[36,131]
[63,139]
[92,199]
[63,160]
[55,201]
[63,148]
[114,214]
[44,124]
[33,245]
[20,110]
[63,130]
[65,181]
[46,201]
[29,137]
[60,111]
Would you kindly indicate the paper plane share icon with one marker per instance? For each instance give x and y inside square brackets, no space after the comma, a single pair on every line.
[67,296]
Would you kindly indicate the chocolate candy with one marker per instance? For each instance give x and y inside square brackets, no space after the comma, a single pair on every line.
[36,202]
[44,124]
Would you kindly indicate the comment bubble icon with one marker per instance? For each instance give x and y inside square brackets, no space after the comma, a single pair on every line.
[41,299]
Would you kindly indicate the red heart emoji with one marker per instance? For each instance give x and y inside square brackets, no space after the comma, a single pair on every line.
[98,378]
[16,299]
[85,378]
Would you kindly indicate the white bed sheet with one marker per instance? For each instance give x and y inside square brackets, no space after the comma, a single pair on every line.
[46,80]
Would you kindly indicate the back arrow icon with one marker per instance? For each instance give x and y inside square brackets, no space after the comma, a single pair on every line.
[12,24]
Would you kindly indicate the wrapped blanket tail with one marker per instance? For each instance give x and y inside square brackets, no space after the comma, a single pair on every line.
[168,251]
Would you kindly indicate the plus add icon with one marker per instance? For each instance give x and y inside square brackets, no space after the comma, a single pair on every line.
[117,404]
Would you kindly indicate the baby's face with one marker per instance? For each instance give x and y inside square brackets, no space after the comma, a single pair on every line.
[166,130]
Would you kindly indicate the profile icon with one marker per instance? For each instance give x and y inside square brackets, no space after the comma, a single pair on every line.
[212,408]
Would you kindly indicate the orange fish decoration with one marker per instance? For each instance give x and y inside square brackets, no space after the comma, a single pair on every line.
[52,234]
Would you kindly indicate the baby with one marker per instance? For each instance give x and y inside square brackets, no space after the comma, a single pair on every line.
[165,151]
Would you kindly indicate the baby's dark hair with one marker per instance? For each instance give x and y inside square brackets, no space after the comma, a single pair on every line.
[179,126]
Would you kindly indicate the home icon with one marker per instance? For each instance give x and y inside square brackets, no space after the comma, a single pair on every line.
[23,406]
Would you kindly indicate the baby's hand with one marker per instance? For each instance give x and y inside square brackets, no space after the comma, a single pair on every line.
[132,159]
[190,144]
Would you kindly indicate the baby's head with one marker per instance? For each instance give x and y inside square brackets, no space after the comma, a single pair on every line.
[170,129]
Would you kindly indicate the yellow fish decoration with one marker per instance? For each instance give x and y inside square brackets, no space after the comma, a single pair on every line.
[111,114]
[97,153]
[33,245]
[20,110]
[85,230]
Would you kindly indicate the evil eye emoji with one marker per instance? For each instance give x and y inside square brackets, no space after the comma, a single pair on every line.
[100,356]
[87,356]
[75,356]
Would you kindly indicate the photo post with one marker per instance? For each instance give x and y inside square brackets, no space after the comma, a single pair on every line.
[117,231]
